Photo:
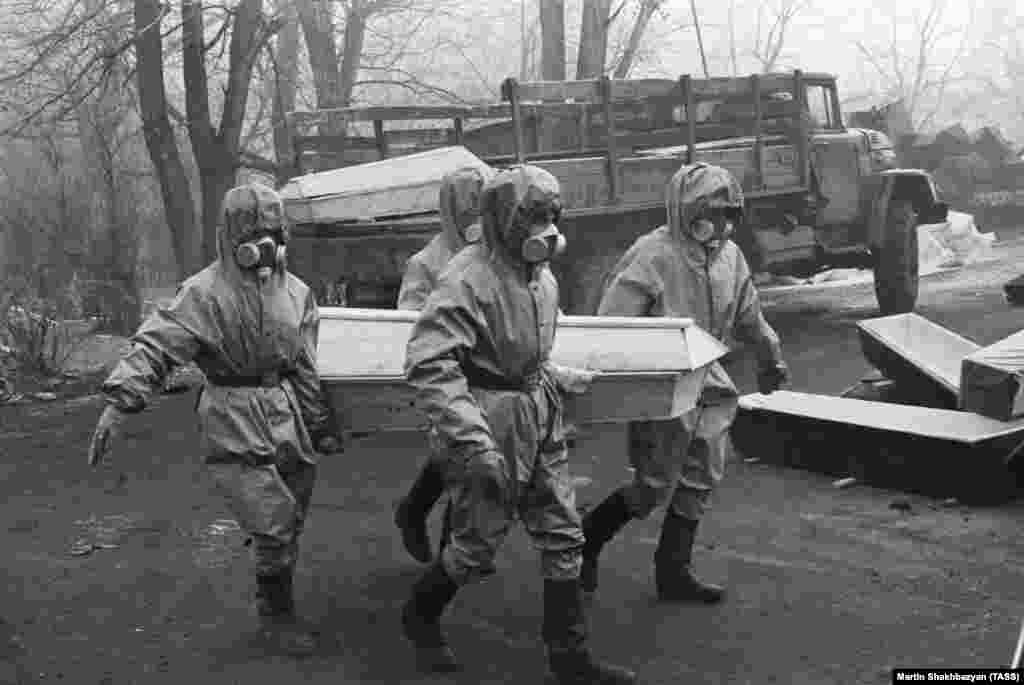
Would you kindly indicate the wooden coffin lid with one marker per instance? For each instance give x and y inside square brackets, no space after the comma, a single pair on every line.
[944,424]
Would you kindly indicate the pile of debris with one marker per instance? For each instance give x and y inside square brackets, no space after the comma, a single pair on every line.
[976,169]
[952,244]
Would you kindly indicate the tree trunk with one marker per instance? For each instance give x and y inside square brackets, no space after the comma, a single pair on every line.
[352,50]
[318,29]
[636,34]
[217,152]
[552,29]
[593,39]
[160,140]
[284,85]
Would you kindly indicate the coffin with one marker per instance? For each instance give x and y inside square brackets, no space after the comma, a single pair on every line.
[938,452]
[398,186]
[651,368]
[992,379]
[917,354]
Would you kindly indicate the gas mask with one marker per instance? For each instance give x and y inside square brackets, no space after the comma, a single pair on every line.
[254,229]
[715,224]
[542,240]
[263,254]
[472,233]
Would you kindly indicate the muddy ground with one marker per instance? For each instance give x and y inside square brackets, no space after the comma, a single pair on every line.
[828,586]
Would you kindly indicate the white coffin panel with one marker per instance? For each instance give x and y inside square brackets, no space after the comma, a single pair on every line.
[651,367]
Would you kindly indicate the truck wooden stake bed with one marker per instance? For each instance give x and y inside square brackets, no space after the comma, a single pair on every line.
[818,194]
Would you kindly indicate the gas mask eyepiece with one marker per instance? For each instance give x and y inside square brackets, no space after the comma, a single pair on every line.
[715,223]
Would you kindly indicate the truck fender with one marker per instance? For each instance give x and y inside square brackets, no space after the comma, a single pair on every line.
[897,185]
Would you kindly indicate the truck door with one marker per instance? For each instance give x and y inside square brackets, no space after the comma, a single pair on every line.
[835,156]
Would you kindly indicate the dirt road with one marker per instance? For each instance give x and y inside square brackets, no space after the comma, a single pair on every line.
[828,586]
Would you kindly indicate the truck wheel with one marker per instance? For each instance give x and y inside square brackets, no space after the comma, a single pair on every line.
[896,265]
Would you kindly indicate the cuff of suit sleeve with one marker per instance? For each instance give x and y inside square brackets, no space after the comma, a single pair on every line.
[127,402]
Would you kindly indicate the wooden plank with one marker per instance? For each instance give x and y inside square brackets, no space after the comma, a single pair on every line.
[943,424]
[690,106]
[378,134]
[637,89]
[910,349]
[755,87]
[803,135]
[590,90]
[510,92]
[609,121]
[992,379]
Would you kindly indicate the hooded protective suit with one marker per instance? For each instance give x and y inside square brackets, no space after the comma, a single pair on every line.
[459,204]
[478,357]
[256,343]
[667,272]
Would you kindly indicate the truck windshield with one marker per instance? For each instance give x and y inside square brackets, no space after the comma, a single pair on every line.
[819,103]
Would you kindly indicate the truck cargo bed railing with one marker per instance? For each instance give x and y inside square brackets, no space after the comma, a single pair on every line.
[609,99]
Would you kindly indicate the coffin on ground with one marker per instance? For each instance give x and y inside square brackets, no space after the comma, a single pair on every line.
[938,452]
[650,367]
[992,379]
[920,356]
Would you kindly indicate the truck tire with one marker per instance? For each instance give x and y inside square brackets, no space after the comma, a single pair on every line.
[896,264]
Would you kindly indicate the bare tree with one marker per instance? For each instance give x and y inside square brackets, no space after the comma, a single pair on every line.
[160,137]
[915,71]
[771,31]
[636,34]
[218,149]
[282,86]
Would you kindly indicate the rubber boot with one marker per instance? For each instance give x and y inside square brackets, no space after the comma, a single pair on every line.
[412,511]
[565,635]
[600,525]
[421,621]
[275,607]
[673,570]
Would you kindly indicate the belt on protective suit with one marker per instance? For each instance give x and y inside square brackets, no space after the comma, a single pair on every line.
[486,380]
[271,379]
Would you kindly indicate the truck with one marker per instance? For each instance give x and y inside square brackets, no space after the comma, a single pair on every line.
[818,194]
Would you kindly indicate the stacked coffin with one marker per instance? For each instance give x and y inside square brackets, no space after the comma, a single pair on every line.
[961,440]
[649,368]
[399,186]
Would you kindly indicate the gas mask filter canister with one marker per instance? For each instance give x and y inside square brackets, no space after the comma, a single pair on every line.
[543,245]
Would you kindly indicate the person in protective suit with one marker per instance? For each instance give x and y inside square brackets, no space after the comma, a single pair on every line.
[459,204]
[252,327]
[479,359]
[687,268]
